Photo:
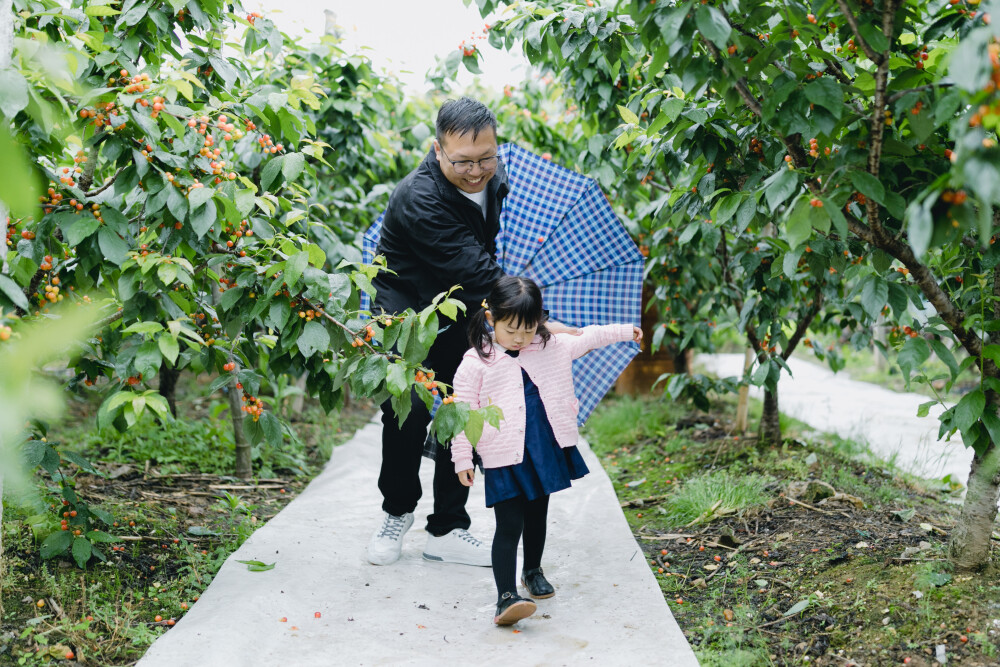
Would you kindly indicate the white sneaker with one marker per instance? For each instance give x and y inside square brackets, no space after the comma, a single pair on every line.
[458,546]
[387,542]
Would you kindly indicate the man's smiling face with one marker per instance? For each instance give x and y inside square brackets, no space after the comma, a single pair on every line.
[458,148]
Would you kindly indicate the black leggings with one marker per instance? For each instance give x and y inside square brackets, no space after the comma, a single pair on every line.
[514,517]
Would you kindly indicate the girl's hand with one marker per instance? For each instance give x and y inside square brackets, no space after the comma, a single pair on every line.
[466,477]
[636,334]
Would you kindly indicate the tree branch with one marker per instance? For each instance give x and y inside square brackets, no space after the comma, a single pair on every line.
[903,93]
[87,178]
[803,325]
[852,21]
[838,71]
[110,319]
[953,317]
[878,117]
[107,185]
[741,83]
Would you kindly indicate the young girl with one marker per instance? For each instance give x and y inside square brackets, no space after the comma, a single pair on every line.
[527,372]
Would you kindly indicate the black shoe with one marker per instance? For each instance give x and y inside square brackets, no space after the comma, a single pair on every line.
[536,583]
[512,608]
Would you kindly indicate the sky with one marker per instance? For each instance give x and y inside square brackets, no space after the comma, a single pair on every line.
[401,36]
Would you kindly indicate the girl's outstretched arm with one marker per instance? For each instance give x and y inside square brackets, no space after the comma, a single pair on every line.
[595,336]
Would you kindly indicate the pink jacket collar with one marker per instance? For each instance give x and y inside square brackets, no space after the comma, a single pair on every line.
[498,351]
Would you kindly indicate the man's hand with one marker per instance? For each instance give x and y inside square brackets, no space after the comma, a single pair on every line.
[466,477]
[636,334]
[558,328]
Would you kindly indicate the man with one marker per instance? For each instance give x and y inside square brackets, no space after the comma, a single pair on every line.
[439,230]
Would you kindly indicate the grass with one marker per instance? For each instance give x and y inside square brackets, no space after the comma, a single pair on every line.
[174,531]
[845,576]
[716,492]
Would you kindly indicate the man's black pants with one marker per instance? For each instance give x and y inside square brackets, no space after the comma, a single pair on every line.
[402,447]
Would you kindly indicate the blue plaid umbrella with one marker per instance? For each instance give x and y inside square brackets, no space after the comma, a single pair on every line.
[558,228]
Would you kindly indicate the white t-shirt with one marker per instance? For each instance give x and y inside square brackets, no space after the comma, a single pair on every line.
[477,197]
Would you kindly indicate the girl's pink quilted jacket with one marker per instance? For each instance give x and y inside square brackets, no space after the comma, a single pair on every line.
[497,380]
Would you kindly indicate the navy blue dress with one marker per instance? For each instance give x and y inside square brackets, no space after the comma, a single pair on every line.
[546,467]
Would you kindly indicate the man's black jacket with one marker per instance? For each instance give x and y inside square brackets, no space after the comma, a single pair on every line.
[434,237]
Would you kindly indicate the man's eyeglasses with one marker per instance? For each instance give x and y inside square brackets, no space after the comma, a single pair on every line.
[465,166]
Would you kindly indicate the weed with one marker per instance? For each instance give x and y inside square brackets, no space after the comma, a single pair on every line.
[699,496]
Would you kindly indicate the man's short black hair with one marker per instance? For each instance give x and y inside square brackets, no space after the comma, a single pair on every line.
[464,115]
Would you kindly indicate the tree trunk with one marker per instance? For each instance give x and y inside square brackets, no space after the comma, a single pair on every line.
[168,386]
[243,462]
[970,540]
[299,400]
[743,404]
[770,419]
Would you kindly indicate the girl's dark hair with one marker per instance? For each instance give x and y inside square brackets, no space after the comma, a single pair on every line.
[512,298]
[462,116]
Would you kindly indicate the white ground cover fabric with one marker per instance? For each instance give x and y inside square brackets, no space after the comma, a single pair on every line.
[608,609]
[886,420]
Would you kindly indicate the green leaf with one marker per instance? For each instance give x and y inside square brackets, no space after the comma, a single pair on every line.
[199,196]
[245,201]
[270,172]
[19,182]
[78,460]
[292,165]
[148,358]
[271,426]
[13,92]
[314,338]
[231,297]
[868,185]
[760,375]
[798,607]
[827,93]
[55,544]
[81,551]
[203,219]
[76,228]
[396,379]
[727,207]
[798,227]
[969,410]
[914,353]
[474,427]
[373,372]
[13,292]
[101,10]
[257,566]
[780,187]
[874,295]
[628,115]
[992,352]
[101,536]
[168,347]
[924,409]
[873,35]
[294,266]
[114,248]
[713,25]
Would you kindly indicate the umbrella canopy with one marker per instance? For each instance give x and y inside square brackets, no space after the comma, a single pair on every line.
[558,228]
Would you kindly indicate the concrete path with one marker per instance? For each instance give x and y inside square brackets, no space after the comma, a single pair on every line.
[608,609]
[886,420]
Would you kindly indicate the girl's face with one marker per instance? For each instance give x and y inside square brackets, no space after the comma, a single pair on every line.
[511,335]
